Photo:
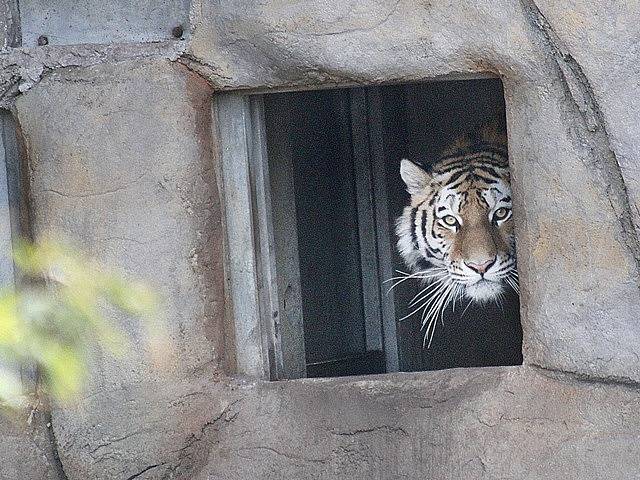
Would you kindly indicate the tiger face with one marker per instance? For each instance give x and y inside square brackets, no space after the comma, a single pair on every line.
[457,233]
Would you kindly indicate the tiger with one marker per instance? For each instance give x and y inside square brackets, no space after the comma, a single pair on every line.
[456,234]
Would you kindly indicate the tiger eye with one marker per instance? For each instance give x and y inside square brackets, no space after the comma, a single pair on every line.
[501,213]
[450,220]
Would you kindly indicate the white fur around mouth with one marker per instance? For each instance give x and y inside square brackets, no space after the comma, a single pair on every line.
[439,289]
[484,290]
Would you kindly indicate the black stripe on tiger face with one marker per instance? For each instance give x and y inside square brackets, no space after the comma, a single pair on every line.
[414,237]
[434,234]
[489,157]
[422,229]
[484,179]
[479,168]
[456,175]
[477,171]
[464,198]
[434,252]
[481,198]
[423,225]
[488,169]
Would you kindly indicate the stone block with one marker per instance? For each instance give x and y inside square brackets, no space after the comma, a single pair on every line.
[121,164]
[506,422]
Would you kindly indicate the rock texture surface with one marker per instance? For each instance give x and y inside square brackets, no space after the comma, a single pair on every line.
[507,423]
[26,447]
[120,153]
[120,158]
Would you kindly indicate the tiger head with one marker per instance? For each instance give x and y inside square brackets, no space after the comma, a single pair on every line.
[457,232]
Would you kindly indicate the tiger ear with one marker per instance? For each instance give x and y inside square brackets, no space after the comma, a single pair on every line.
[415,177]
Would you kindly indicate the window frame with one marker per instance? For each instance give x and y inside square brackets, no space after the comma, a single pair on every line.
[265,331]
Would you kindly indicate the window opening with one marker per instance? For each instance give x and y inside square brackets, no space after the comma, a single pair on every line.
[327,190]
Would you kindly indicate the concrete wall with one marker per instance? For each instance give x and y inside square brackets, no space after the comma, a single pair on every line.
[118,142]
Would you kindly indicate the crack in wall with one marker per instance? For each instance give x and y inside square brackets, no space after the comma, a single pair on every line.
[210,73]
[286,455]
[24,229]
[613,380]
[12,28]
[22,68]
[603,157]
[55,449]
[187,452]
[110,442]
[376,429]
[150,467]
[101,193]
[391,12]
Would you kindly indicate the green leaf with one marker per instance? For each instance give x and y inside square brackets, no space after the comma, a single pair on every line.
[61,312]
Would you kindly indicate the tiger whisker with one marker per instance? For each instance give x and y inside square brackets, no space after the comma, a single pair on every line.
[423,306]
[429,320]
[408,277]
[453,299]
[437,310]
[513,273]
[509,264]
[426,291]
[459,278]
[431,301]
[504,269]
[500,301]
[445,302]
[513,283]
[466,308]
[429,317]
[450,298]
[458,295]
[439,307]
[405,275]
[426,274]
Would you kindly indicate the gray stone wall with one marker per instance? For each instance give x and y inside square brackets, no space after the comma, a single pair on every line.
[118,141]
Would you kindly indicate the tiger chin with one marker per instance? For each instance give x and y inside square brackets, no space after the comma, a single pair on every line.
[456,235]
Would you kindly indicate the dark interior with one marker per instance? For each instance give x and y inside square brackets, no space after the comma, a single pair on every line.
[328,235]
[433,116]
[415,122]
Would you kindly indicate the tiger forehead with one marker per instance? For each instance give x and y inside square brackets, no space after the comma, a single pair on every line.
[481,169]
[476,198]
[474,182]
[491,157]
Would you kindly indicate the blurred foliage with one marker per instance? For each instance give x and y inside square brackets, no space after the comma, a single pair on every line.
[55,317]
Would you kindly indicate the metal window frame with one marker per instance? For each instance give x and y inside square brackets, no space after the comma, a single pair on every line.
[13,225]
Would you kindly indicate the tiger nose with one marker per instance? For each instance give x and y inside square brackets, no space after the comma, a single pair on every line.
[481,268]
